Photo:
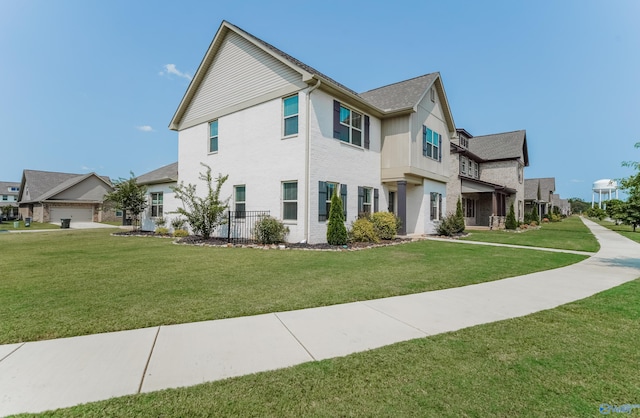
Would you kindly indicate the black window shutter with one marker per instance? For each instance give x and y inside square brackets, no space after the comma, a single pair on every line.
[336,119]
[439,147]
[360,200]
[375,200]
[424,140]
[367,143]
[343,196]
[322,201]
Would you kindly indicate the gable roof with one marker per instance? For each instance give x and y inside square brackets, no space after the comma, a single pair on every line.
[4,187]
[45,184]
[166,174]
[414,89]
[546,185]
[502,146]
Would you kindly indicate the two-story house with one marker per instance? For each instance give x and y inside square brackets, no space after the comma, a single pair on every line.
[487,174]
[9,200]
[289,137]
[539,193]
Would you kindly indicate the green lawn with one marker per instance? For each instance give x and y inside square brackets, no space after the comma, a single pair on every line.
[570,234]
[66,283]
[624,230]
[9,225]
[564,362]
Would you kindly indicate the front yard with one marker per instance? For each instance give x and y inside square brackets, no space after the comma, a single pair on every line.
[67,283]
[569,234]
[565,362]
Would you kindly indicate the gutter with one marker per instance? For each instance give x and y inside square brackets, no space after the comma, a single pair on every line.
[307,175]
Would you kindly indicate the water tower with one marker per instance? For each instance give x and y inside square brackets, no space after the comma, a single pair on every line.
[606,188]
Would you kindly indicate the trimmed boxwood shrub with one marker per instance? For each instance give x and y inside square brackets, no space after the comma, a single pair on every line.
[385,225]
[363,230]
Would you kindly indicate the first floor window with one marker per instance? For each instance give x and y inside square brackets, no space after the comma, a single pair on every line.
[240,201]
[392,202]
[431,143]
[436,206]
[364,201]
[325,193]
[156,204]
[290,201]
[290,112]
[213,136]
[119,213]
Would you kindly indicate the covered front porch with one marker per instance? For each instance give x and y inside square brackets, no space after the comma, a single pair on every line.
[484,204]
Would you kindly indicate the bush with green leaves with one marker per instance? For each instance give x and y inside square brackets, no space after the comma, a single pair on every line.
[449,226]
[535,216]
[510,222]
[336,231]
[204,214]
[596,213]
[161,230]
[178,223]
[385,224]
[269,230]
[180,233]
[363,230]
[459,217]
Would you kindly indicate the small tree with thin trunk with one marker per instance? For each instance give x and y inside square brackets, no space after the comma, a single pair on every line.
[459,222]
[336,231]
[534,213]
[128,195]
[204,214]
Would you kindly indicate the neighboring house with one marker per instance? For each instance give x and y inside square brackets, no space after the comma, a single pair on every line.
[161,197]
[289,137]
[47,196]
[487,174]
[563,205]
[539,192]
[9,199]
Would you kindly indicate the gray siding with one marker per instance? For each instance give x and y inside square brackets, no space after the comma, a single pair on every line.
[240,72]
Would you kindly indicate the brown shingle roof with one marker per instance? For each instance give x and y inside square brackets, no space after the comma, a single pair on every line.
[402,95]
[502,146]
[166,174]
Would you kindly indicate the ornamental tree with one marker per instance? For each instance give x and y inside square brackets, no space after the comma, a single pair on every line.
[129,196]
[336,230]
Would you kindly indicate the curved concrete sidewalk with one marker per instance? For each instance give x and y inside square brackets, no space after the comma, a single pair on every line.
[37,376]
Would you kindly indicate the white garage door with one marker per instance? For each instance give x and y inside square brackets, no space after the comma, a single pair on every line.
[75,214]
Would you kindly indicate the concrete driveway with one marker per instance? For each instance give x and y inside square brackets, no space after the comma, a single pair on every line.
[86,225]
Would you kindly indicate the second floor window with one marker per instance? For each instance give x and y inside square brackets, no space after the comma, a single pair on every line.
[290,112]
[350,126]
[156,204]
[213,136]
[463,165]
[5,197]
[431,144]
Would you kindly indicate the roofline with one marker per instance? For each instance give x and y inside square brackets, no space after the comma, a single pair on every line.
[497,187]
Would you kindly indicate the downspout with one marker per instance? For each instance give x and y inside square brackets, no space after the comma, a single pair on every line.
[307,164]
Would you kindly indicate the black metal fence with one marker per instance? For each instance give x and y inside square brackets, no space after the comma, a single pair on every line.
[240,226]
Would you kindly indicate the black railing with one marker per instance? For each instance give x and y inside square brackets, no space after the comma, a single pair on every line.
[240,226]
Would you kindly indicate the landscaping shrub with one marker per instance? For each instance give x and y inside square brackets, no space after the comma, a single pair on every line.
[363,230]
[178,223]
[385,224]
[510,222]
[555,217]
[180,233]
[533,223]
[459,219]
[597,213]
[160,222]
[269,230]
[449,226]
[336,231]
[535,216]
[162,231]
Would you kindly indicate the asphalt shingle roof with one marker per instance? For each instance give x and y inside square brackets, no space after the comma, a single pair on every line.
[43,184]
[547,186]
[166,174]
[401,95]
[500,146]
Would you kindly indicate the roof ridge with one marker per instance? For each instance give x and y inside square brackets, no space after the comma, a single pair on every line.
[499,133]
[401,81]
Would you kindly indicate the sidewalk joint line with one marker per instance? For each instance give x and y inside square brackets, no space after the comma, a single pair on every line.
[13,351]
[146,366]
[293,335]
[364,302]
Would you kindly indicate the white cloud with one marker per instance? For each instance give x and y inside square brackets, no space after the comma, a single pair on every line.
[85,168]
[144,128]
[171,69]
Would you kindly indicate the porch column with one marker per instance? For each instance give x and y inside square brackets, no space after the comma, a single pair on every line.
[494,204]
[402,206]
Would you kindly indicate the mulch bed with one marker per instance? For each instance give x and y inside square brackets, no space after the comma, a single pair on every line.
[218,242]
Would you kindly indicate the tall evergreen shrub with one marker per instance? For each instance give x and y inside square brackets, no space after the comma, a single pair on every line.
[459,219]
[511,222]
[336,230]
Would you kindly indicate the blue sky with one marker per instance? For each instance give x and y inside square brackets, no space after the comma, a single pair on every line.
[91,86]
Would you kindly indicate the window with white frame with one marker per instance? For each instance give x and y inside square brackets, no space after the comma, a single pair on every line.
[240,197]
[157,204]
[213,136]
[5,197]
[476,170]
[351,126]
[436,206]
[290,201]
[463,165]
[431,144]
[290,114]
[365,199]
